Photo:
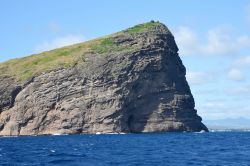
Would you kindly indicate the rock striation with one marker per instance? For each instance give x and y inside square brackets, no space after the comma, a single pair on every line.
[133,82]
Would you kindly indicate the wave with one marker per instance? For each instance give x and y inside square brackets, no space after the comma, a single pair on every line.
[56,134]
[98,133]
[8,136]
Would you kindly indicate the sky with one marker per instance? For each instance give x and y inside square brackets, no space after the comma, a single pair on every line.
[213,39]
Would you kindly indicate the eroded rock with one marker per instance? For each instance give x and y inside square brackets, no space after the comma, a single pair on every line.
[140,91]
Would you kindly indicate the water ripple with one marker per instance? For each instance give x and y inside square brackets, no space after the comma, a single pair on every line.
[223,148]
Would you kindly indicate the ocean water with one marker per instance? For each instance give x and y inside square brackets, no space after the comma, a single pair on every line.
[214,148]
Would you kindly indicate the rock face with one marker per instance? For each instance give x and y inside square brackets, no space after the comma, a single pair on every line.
[143,90]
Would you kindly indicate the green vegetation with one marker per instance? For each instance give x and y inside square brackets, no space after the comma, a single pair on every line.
[24,68]
[103,45]
[142,27]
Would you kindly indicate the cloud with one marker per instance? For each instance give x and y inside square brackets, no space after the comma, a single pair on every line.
[58,42]
[242,62]
[186,40]
[212,105]
[235,75]
[226,111]
[239,90]
[197,78]
[223,109]
[218,41]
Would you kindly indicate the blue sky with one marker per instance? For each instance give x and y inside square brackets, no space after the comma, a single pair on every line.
[213,37]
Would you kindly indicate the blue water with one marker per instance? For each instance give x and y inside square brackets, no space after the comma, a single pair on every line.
[218,148]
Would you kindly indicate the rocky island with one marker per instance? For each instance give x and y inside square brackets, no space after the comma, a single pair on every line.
[131,81]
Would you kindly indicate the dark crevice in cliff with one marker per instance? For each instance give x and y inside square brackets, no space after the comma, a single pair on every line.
[14,93]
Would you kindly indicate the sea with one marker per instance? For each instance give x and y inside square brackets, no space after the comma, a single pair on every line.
[180,149]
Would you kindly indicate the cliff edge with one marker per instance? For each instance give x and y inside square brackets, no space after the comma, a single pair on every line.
[131,81]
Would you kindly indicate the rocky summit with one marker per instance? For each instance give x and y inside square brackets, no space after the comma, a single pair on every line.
[131,81]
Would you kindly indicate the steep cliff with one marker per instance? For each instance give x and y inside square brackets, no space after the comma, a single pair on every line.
[130,81]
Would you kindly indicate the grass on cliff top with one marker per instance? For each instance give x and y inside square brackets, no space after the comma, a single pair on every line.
[24,68]
[140,28]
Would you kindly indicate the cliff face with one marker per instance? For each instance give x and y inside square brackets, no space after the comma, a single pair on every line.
[133,82]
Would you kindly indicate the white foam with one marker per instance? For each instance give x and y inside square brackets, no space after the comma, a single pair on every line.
[111,133]
[122,133]
[97,133]
[9,136]
[56,134]
[202,131]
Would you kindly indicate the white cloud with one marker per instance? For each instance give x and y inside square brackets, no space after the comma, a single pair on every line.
[223,109]
[235,75]
[242,62]
[186,40]
[58,42]
[243,41]
[196,78]
[239,90]
[218,41]
[212,105]
[228,111]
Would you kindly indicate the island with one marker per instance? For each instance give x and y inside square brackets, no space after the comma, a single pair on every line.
[132,81]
